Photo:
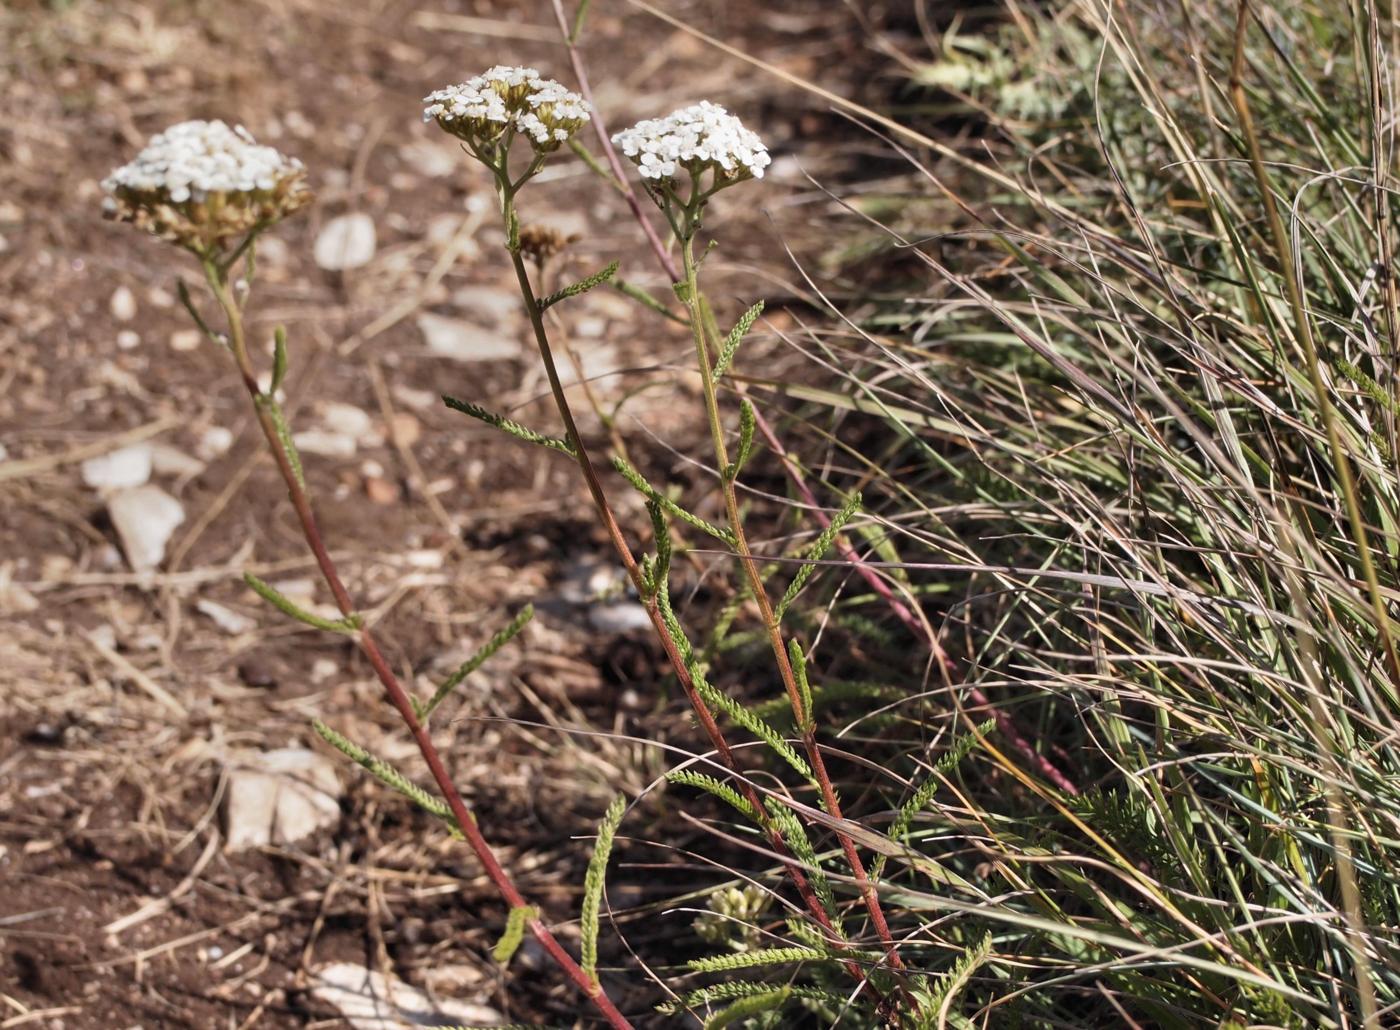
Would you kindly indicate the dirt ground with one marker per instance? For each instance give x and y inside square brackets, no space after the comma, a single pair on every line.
[124,695]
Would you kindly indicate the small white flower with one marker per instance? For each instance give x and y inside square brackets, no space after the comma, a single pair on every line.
[189,161]
[696,138]
[481,109]
[201,184]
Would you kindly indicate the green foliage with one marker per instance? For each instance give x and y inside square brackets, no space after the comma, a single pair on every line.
[513,934]
[748,422]
[593,884]
[710,785]
[388,775]
[582,286]
[268,404]
[287,606]
[750,959]
[795,836]
[818,552]
[745,717]
[1099,461]
[504,424]
[736,337]
[671,508]
[279,359]
[477,660]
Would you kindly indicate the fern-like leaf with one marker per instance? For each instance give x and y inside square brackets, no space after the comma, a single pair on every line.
[719,789]
[287,606]
[510,426]
[513,934]
[582,286]
[593,885]
[477,660]
[736,337]
[750,959]
[671,508]
[818,551]
[389,776]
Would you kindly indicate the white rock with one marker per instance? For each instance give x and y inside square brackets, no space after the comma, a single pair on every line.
[491,304]
[124,467]
[619,617]
[128,339]
[369,1001]
[123,304]
[144,517]
[345,242]
[4,452]
[228,620]
[463,341]
[419,399]
[214,443]
[351,421]
[185,339]
[325,443]
[171,461]
[431,159]
[279,797]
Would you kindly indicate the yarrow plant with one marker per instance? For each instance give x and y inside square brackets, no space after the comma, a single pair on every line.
[212,191]
[685,159]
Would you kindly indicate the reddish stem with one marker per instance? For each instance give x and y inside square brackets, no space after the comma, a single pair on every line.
[395,691]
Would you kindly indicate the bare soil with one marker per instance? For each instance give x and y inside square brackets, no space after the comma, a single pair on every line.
[110,799]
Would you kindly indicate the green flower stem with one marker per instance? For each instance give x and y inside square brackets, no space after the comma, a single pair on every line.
[398,697]
[629,562]
[754,574]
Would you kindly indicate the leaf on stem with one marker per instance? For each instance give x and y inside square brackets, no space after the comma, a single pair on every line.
[287,606]
[593,886]
[673,509]
[582,286]
[747,959]
[801,847]
[718,788]
[507,425]
[749,721]
[476,661]
[389,776]
[268,403]
[279,358]
[513,934]
[644,298]
[748,421]
[818,552]
[736,337]
[799,670]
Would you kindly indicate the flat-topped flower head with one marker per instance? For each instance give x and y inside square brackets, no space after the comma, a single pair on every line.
[201,184]
[696,139]
[481,110]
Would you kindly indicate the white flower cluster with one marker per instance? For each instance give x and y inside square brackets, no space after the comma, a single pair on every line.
[702,136]
[189,161]
[481,109]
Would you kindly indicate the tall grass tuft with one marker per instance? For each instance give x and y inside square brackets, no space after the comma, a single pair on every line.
[1128,425]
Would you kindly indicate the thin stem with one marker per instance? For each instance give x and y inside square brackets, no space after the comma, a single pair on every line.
[649,601]
[666,260]
[398,697]
[755,577]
